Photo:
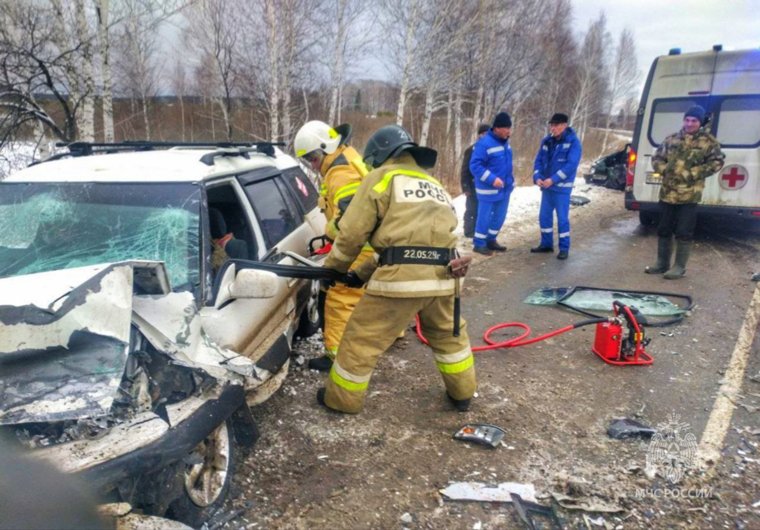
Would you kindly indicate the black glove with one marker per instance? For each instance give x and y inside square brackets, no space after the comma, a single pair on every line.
[351,279]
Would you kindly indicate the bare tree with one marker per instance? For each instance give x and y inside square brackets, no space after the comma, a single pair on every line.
[346,44]
[179,87]
[440,56]
[624,79]
[137,62]
[106,74]
[400,21]
[34,63]
[213,29]
[592,75]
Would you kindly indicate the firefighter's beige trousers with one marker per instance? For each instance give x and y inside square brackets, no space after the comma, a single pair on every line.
[339,304]
[375,324]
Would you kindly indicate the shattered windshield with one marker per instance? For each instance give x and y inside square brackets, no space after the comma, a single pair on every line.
[50,226]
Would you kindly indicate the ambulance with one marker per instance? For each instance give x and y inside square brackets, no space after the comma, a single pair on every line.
[727,85]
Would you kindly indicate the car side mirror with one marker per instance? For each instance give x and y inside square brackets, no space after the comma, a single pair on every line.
[244,283]
[253,283]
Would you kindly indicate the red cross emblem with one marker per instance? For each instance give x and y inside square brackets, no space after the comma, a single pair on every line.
[733,177]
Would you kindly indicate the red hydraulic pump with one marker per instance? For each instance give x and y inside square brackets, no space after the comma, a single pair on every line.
[612,347]
[610,343]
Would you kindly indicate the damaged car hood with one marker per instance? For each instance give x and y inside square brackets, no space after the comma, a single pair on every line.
[64,342]
[65,338]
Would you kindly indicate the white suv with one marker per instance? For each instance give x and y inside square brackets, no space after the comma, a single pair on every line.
[133,329]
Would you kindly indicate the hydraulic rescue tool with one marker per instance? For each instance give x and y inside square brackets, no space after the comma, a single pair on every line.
[610,344]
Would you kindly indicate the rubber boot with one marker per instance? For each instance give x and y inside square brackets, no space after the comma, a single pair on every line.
[664,250]
[683,249]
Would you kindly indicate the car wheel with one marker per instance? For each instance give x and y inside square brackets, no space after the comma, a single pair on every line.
[648,218]
[206,476]
[312,316]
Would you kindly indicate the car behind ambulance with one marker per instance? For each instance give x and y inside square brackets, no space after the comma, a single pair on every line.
[727,85]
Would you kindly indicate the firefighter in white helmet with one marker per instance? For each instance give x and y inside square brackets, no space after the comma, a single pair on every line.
[407,216]
[327,151]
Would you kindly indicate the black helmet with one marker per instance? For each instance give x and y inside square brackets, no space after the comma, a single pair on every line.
[389,141]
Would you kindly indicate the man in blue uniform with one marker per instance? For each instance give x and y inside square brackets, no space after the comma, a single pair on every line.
[554,172]
[491,166]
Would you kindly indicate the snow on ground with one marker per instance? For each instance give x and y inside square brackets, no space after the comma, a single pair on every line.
[522,215]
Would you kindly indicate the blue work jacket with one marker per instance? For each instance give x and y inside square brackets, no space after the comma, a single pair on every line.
[558,159]
[491,158]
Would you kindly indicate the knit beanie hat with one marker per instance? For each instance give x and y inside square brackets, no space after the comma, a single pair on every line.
[502,119]
[558,117]
[696,112]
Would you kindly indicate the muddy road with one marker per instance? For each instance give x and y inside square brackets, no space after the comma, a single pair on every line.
[384,468]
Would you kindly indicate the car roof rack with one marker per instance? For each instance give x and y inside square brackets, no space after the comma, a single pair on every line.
[222,148]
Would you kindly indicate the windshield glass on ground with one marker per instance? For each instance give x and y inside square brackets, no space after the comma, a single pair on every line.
[50,226]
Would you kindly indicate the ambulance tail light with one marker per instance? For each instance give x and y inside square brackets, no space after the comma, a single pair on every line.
[631,167]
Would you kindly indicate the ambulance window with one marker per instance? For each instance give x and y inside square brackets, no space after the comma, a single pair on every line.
[739,124]
[667,118]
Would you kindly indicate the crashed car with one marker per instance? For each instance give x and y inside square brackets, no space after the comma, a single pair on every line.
[609,171]
[129,354]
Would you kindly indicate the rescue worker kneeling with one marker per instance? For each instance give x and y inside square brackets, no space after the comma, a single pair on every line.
[407,217]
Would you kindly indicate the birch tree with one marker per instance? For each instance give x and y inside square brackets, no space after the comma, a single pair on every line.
[137,63]
[400,21]
[33,64]
[347,44]
[213,30]
[624,79]
[592,74]
[106,74]
[444,30]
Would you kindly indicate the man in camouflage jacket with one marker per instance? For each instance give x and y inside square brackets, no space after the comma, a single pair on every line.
[684,159]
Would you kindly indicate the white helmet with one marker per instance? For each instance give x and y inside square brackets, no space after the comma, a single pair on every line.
[317,135]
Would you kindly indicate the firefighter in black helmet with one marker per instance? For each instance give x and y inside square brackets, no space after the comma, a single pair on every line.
[407,217]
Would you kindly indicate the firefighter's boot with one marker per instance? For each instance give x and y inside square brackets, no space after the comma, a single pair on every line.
[683,249]
[664,251]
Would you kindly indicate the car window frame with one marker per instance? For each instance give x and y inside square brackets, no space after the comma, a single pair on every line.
[257,176]
[298,173]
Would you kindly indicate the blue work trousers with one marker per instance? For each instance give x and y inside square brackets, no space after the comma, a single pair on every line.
[551,202]
[491,216]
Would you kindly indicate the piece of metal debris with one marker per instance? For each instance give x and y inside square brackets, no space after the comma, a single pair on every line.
[579,200]
[623,428]
[478,491]
[480,433]
[526,510]
[585,503]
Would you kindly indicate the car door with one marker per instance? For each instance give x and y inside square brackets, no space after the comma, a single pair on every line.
[251,327]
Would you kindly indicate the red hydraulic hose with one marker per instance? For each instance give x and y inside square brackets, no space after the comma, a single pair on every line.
[520,340]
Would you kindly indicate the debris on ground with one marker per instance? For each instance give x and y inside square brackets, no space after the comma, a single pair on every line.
[480,433]
[526,510]
[478,491]
[624,428]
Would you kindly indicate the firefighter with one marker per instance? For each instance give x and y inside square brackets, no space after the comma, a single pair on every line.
[327,151]
[407,217]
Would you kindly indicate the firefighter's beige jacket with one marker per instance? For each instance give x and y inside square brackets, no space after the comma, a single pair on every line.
[398,204]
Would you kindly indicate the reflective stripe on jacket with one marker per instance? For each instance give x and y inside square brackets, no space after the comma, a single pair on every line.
[398,204]
[343,171]
[491,159]
[558,159]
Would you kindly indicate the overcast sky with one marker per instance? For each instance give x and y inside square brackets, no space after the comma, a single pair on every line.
[692,25]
